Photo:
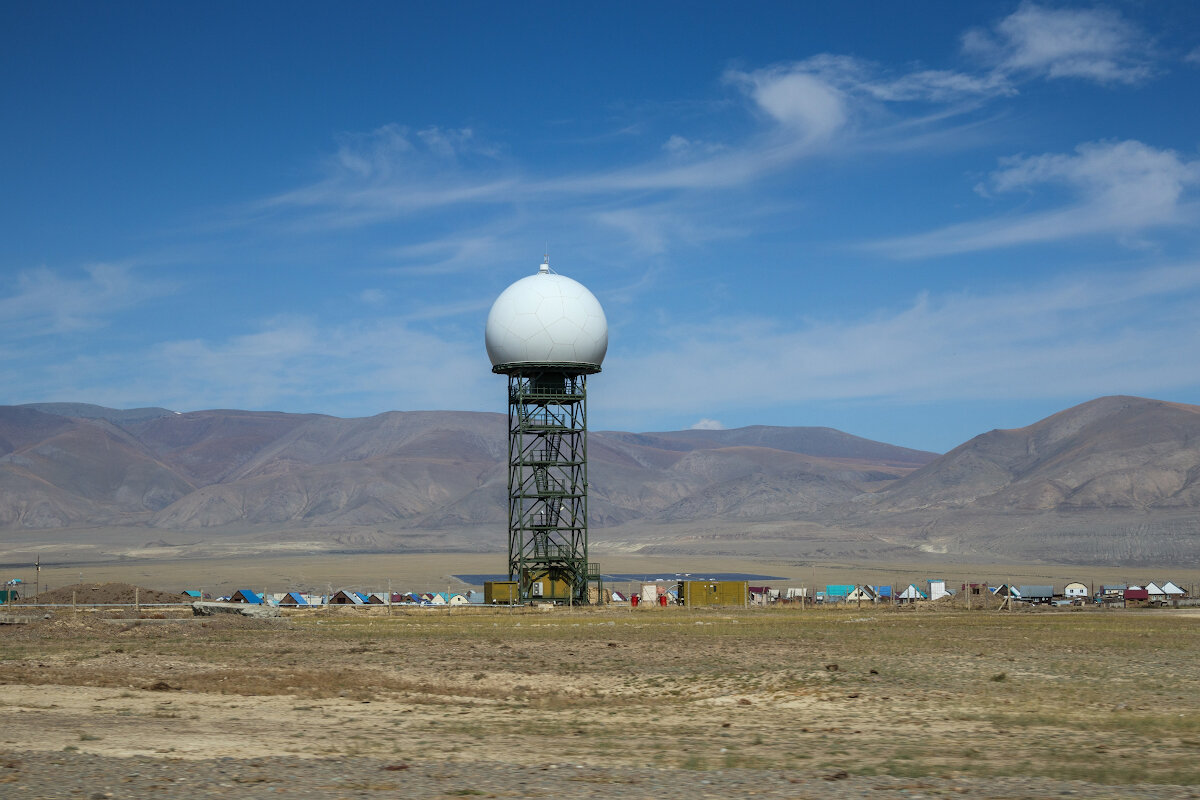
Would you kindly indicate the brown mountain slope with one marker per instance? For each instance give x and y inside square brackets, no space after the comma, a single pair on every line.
[79,472]
[1114,480]
[391,491]
[408,470]
[437,435]
[208,446]
[21,427]
[1115,452]
[818,442]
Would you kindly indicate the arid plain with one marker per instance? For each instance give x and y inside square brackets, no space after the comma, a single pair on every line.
[781,702]
[868,701]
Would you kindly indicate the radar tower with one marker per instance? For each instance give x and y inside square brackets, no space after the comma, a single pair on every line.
[547,333]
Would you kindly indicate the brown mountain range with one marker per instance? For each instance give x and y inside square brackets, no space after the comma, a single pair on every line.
[211,469]
[1113,480]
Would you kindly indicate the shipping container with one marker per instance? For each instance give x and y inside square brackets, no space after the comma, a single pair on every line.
[500,592]
[714,593]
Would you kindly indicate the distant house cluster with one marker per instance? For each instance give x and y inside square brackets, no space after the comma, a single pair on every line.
[694,593]
[346,597]
[1167,593]
[1152,594]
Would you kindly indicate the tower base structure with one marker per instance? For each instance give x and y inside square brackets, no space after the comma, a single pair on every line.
[547,482]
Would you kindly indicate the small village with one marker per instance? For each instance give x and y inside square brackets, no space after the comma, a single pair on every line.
[740,593]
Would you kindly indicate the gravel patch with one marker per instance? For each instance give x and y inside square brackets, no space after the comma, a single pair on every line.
[32,776]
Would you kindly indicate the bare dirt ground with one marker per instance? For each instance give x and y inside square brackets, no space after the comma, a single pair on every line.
[102,594]
[600,703]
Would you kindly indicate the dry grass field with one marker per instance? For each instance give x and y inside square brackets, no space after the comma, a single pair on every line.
[1107,697]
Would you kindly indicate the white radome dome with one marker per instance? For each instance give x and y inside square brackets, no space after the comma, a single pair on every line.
[547,318]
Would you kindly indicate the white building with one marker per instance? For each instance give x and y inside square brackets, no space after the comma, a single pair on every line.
[1075,590]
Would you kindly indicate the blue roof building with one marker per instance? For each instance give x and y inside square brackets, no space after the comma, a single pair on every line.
[838,591]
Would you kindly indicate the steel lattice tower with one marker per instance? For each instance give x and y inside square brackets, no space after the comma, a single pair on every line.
[547,333]
[547,482]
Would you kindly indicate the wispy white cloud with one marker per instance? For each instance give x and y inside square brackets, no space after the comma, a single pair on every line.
[676,144]
[476,306]
[1093,334]
[1093,44]
[657,228]
[370,154]
[395,151]
[792,113]
[47,302]
[393,171]
[707,424]
[805,108]
[373,297]
[681,147]
[799,100]
[288,362]
[463,252]
[1117,188]
[858,78]
[1090,334]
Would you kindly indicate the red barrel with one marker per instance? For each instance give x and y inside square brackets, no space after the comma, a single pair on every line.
[633,601]
[662,600]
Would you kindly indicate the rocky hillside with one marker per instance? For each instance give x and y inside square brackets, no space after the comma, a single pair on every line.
[1114,480]
[64,465]
[1111,453]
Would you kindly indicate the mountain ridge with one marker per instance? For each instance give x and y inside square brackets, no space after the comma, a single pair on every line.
[216,468]
[1112,480]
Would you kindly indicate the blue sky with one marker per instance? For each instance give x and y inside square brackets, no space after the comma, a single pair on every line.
[911,221]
